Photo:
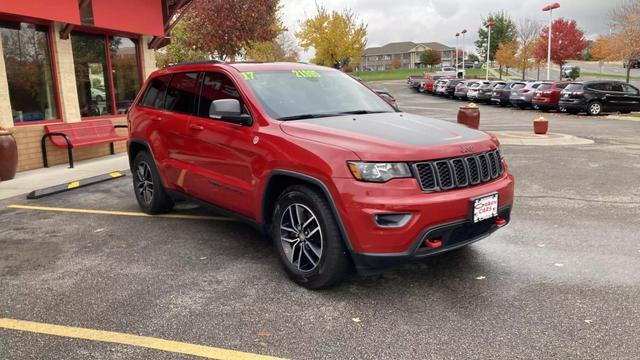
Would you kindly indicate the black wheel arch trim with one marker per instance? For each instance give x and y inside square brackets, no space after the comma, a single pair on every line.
[315,181]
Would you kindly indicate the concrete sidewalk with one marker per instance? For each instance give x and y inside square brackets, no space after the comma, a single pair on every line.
[28,181]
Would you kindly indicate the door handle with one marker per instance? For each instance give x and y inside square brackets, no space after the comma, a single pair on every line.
[196,127]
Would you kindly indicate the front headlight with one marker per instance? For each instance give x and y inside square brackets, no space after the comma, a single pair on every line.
[378,172]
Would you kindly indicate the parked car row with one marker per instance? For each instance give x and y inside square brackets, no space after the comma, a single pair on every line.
[591,97]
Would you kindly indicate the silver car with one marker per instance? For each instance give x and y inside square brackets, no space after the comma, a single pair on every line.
[522,94]
[472,92]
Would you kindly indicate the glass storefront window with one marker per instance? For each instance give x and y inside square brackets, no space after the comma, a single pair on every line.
[107,73]
[27,60]
[90,62]
[126,73]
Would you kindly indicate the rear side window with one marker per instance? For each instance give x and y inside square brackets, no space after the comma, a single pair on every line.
[216,86]
[154,96]
[181,95]
[599,86]
[616,87]
[574,87]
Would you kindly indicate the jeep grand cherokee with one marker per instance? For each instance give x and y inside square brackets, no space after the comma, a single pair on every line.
[327,169]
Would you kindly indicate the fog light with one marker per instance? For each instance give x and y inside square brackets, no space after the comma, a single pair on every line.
[392,220]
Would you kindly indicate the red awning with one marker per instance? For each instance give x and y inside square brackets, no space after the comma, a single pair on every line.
[65,11]
[135,16]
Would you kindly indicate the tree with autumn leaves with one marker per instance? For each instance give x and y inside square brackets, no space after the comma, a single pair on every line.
[224,29]
[507,55]
[339,38]
[624,41]
[567,42]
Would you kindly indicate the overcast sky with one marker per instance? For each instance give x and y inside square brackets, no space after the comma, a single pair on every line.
[439,20]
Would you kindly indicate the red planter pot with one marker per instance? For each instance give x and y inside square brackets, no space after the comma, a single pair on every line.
[469,116]
[540,127]
[8,156]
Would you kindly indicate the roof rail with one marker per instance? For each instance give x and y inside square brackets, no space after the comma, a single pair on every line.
[204,62]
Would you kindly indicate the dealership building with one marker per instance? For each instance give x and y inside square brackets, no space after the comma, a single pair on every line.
[65,61]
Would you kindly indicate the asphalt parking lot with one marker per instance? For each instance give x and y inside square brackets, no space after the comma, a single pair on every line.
[561,281]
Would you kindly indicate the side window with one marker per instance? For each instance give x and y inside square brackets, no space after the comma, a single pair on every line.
[616,87]
[216,86]
[630,89]
[154,96]
[181,94]
[597,86]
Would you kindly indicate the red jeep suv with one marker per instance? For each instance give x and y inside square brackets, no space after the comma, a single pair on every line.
[317,161]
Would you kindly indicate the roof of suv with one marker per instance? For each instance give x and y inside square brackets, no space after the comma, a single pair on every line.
[249,66]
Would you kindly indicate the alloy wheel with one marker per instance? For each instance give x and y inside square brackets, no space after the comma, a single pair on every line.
[595,108]
[145,182]
[301,237]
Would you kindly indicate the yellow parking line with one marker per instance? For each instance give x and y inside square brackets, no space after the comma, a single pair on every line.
[127,339]
[119,213]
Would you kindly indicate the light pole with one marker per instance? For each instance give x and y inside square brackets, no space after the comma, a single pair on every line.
[463,52]
[550,8]
[457,36]
[488,24]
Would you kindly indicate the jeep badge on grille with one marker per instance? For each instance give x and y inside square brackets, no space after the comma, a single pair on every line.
[467,149]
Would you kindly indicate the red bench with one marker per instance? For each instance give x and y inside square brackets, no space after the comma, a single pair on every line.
[80,134]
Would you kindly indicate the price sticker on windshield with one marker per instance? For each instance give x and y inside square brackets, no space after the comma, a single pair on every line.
[306,73]
[248,75]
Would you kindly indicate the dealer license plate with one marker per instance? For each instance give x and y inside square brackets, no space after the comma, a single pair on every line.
[485,207]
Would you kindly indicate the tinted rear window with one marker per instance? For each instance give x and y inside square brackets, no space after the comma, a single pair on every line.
[518,86]
[181,95]
[154,96]
[616,87]
[543,87]
[574,87]
[562,85]
[499,86]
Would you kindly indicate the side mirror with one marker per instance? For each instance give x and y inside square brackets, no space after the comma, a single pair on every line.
[228,110]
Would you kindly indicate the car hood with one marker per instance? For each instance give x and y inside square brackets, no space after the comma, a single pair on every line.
[392,136]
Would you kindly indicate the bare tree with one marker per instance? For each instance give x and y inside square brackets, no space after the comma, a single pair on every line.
[625,22]
[528,32]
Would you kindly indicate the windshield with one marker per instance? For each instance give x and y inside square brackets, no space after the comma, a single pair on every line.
[303,94]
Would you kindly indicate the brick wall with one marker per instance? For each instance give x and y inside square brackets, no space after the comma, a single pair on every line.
[30,156]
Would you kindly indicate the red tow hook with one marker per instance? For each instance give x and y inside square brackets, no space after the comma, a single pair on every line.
[432,244]
[500,222]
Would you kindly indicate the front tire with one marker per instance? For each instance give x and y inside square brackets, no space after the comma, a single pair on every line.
[150,193]
[308,239]
[594,108]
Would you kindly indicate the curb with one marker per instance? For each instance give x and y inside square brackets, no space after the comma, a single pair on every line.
[56,189]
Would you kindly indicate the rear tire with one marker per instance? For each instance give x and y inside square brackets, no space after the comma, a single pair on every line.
[594,108]
[147,185]
[308,239]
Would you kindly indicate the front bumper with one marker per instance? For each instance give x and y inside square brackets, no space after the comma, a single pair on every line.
[453,236]
[361,202]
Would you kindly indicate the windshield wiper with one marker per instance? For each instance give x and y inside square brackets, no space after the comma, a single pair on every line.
[360,112]
[316,116]
[306,116]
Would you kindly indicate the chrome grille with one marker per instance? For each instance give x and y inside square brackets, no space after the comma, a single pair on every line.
[447,174]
